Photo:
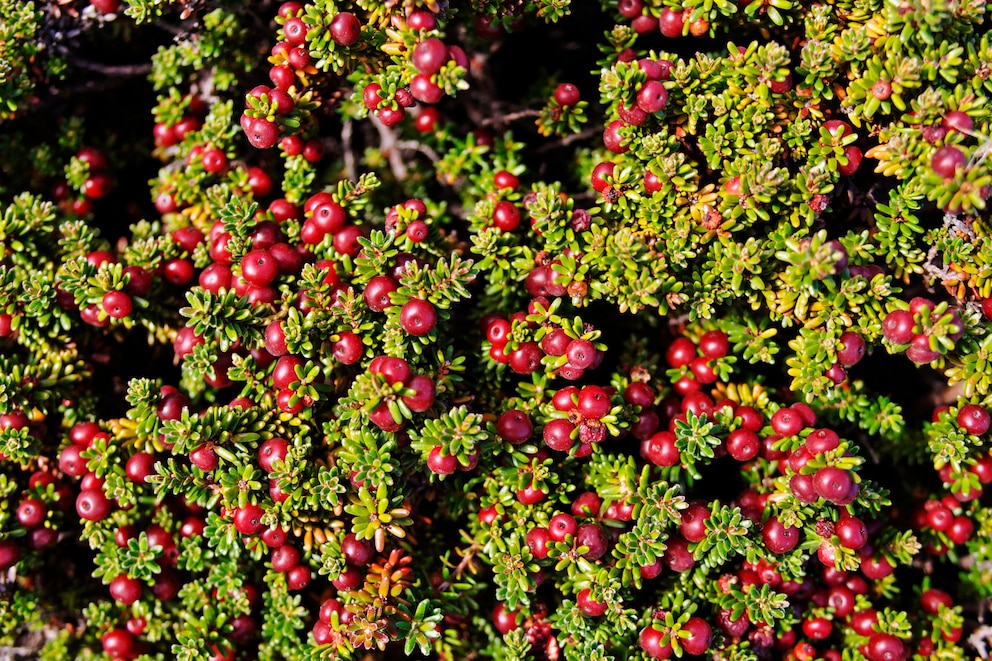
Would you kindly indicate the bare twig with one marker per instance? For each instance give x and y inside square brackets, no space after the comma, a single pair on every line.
[112,70]
[461,567]
[567,140]
[413,145]
[389,148]
[510,117]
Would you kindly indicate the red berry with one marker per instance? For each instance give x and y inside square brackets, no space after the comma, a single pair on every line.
[561,526]
[778,537]
[295,31]
[650,642]
[702,370]
[594,538]
[956,120]
[504,180]
[851,532]
[652,97]
[140,466]
[961,529]
[633,115]
[898,327]
[125,590]
[214,161]
[876,567]
[395,370]
[418,317]
[284,374]
[427,119]
[974,419]
[594,403]
[660,449]
[693,525]
[97,186]
[613,139]
[700,636]
[345,28]
[377,292]
[248,519]
[420,19]
[429,56]
[526,358]
[348,348]
[671,23]
[885,647]
[117,304]
[514,427]
[714,344]
[581,353]
[505,621]
[440,463]
[630,9]
[946,161]
[299,577]
[589,606]
[853,156]
[680,352]
[118,643]
[537,541]
[786,422]
[920,351]
[743,444]
[557,435]
[851,348]
[567,94]
[822,440]
[139,281]
[179,272]
[272,451]
[817,628]
[932,599]
[506,216]
[259,268]
[530,495]
[31,513]
[92,505]
[425,90]
[423,393]
[329,216]
[261,133]
[832,483]
[599,173]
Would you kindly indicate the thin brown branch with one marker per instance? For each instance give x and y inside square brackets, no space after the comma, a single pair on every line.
[112,70]
[567,140]
[389,148]
[461,567]
[413,145]
[510,117]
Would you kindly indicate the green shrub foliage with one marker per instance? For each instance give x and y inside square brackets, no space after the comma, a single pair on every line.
[503,329]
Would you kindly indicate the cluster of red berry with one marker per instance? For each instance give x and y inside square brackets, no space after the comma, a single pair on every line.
[96,185]
[525,344]
[924,331]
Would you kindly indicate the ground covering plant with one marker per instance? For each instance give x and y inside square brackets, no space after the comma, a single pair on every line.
[499,329]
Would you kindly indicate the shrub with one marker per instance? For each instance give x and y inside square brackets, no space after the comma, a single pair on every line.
[512,330]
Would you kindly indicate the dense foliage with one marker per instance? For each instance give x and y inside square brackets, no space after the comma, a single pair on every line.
[498,329]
